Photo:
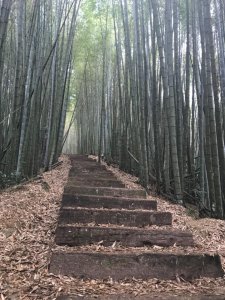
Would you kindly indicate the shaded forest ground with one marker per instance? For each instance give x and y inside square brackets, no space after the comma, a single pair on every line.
[27,224]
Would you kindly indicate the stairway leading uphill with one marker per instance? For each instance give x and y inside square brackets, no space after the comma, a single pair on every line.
[97,209]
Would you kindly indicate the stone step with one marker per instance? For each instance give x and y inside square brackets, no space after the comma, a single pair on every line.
[144,266]
[78,157]
[89,167]
[97,173]
[87,164]
[127,218]
[69,200]
[83,160]
[127,237]
[95,182]
[104,191]
[152,296]
[90,175]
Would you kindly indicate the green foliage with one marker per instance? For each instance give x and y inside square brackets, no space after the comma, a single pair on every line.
[88,46]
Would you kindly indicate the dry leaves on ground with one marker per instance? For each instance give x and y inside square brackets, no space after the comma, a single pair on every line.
[27,224]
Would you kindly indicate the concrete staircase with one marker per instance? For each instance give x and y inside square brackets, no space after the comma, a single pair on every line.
[98,209]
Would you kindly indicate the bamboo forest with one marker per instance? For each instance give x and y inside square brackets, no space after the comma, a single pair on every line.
[112,149]
[140,84]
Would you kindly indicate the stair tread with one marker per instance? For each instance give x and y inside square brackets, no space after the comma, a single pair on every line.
[96,197]
[115,210]
[106,216]
[95,182]
[129,237]
[105,191]
[135,265]
[132,229]
[113,188]
[107,202]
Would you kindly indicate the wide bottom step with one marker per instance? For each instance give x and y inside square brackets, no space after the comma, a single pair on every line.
[135,265]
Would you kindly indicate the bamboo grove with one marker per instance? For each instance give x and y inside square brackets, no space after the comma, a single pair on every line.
[151,95]
[36,46]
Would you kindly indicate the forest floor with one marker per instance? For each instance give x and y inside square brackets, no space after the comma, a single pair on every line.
[28,221]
